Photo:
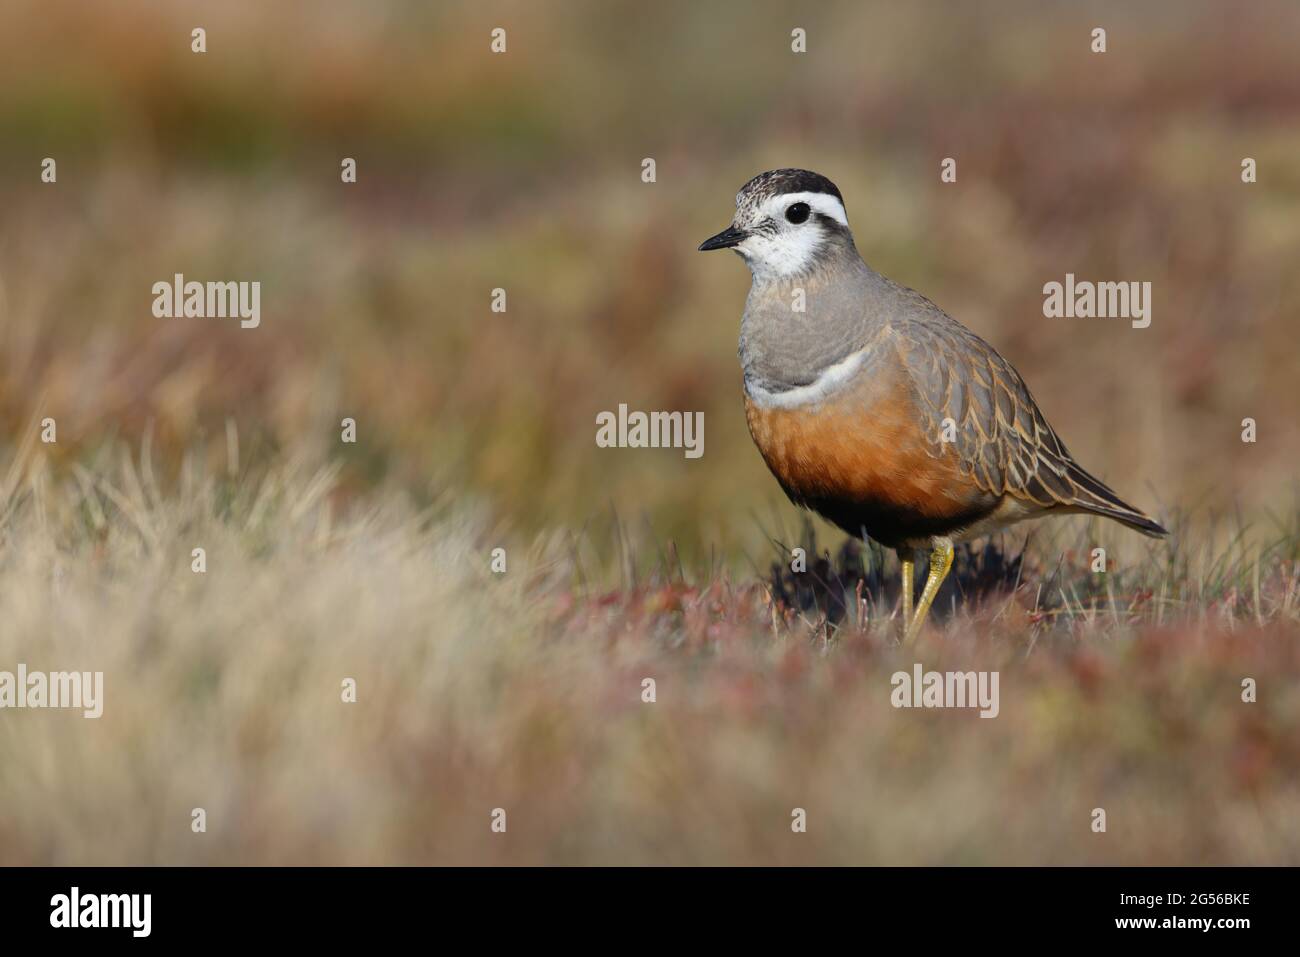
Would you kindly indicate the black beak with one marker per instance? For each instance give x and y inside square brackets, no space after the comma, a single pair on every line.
[731,236]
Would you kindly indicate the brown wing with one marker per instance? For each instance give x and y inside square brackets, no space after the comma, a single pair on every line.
[1000,437]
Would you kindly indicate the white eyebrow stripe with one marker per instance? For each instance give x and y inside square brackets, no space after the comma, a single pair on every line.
[824,203]
[831,379]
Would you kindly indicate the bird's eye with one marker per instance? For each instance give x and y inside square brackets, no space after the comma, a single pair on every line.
[798,213]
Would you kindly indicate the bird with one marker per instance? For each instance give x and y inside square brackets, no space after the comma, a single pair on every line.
[877,410]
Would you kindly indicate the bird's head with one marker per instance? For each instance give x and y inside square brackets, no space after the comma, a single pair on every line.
[787,221]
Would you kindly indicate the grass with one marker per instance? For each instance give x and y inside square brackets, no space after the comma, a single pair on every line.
[523,691]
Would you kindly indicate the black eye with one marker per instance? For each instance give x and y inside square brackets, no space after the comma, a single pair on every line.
[798,213]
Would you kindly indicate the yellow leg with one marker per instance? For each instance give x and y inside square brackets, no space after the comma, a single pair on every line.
[940,563]
[908,561]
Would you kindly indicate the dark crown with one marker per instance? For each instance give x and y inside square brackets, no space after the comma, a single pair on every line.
[777,182]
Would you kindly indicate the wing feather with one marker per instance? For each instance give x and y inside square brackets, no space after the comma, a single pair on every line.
[1003,442]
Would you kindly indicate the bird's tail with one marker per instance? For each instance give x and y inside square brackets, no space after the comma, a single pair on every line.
[1092,495]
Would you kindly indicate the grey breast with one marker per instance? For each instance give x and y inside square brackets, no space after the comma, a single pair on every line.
[845,305]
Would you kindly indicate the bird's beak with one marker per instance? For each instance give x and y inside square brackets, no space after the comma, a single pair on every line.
[731,236]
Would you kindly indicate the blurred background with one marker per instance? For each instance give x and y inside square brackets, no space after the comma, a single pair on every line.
[522,171]
[523,691]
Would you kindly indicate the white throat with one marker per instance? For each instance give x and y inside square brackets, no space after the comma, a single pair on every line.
[793,249]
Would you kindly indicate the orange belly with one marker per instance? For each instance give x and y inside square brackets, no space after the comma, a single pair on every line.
[859,459]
